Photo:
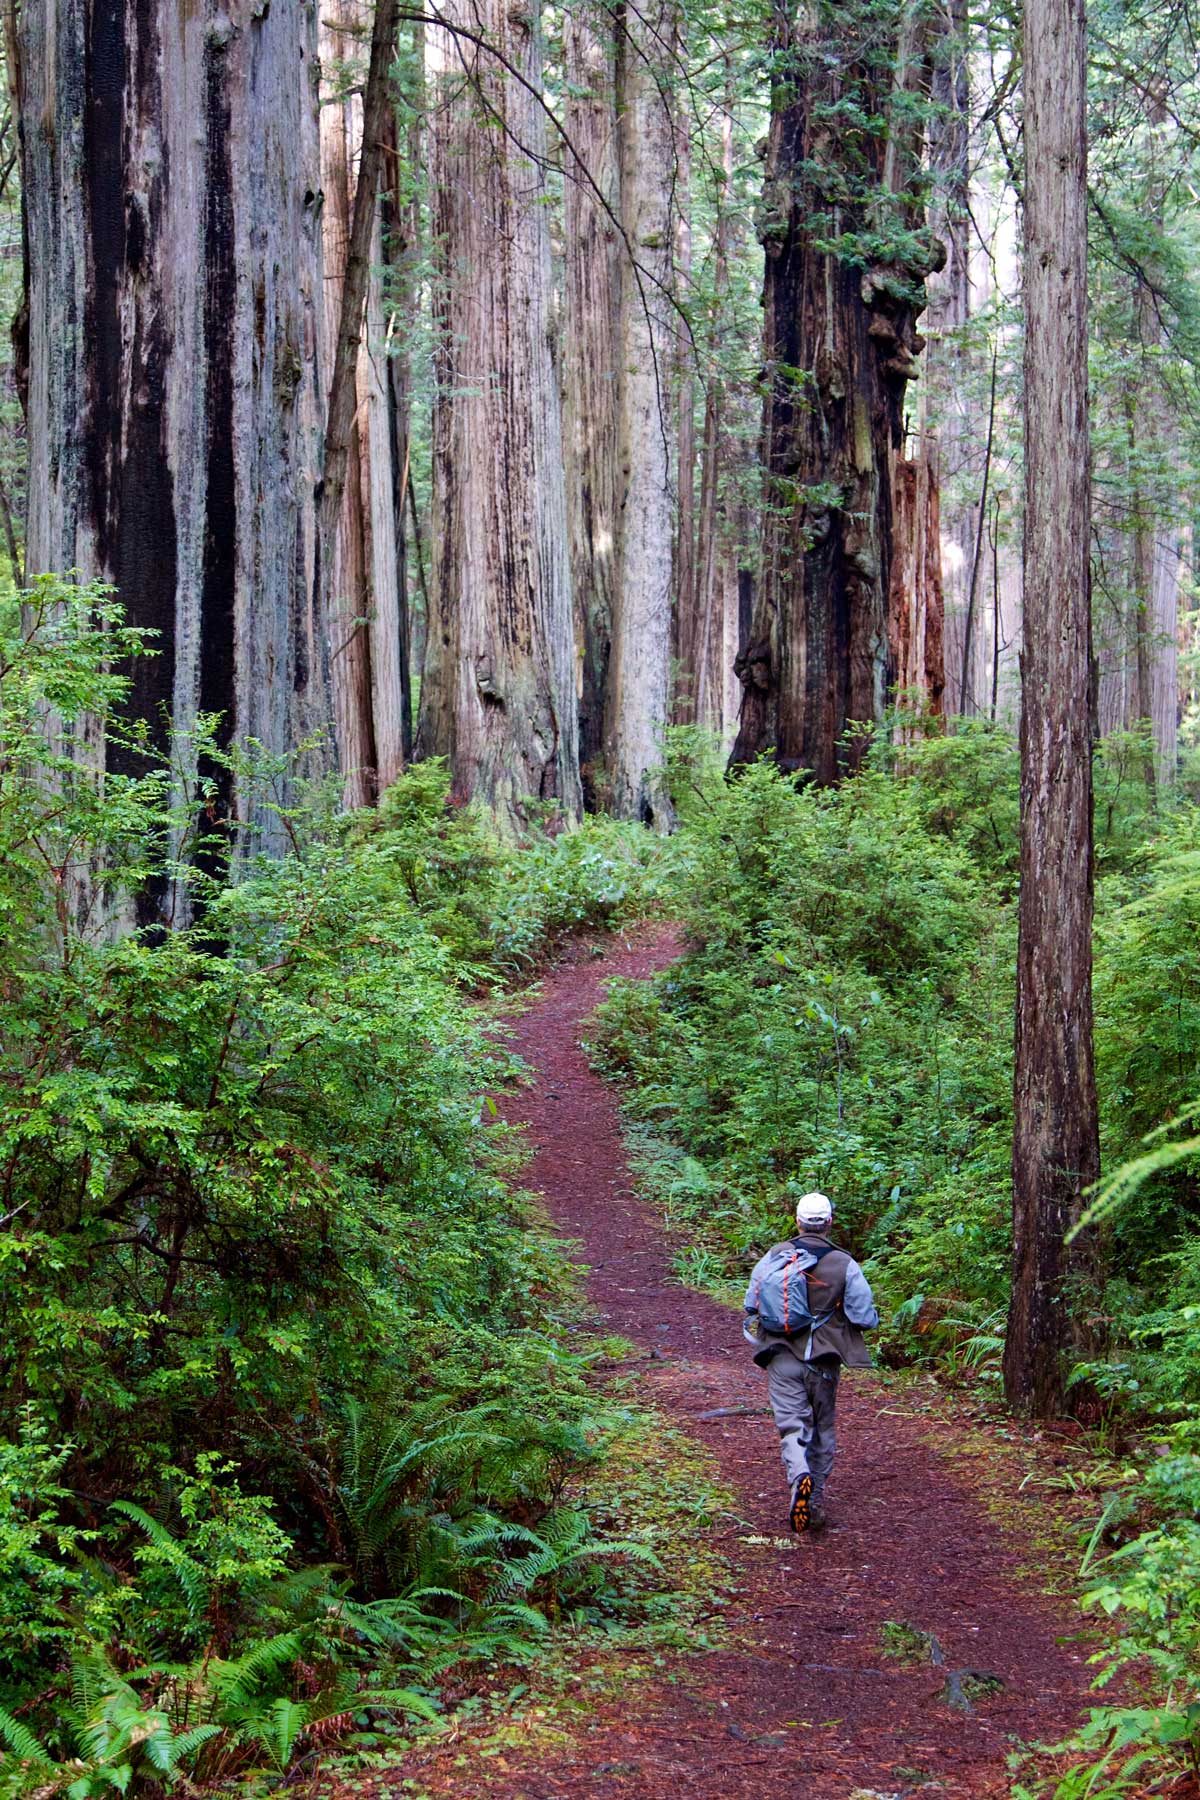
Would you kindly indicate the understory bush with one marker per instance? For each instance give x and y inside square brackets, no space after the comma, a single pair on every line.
[842,1019]
[285,1426]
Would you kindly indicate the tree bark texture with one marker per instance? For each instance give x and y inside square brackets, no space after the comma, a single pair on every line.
[702,634]
[839,349]
[363,566]
[638,685]
[915,609]
[948,421]
[498,691]
[1055,1142]
[1156,553]
[172,191]
[688,628]
[592,276]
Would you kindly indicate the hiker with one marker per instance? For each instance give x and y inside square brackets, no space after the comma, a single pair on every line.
[807,1307]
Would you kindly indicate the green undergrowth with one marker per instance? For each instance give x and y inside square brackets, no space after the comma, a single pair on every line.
[842,1019]
[657,1491]
[289,1427]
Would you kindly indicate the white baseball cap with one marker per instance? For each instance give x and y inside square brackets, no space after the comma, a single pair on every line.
[814,1210]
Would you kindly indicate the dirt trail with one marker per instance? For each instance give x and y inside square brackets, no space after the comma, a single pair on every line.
[802,1702]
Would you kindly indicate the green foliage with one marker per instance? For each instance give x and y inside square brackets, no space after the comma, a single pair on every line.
[497,907]
[284,1412]
[842,1020]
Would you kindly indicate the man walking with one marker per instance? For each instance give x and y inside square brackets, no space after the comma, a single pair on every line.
[807,1307]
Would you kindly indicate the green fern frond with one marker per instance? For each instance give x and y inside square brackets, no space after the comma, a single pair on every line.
[188,1742]
[191,1577]
[238,1679]
[21,1741]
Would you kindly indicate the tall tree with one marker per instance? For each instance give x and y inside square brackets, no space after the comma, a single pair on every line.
[366,604]
[640,672]
[172,188]
[1056,1137]
[704,654]
[949,431]
[498,688]
[684,584]
[845,262]
[592,259]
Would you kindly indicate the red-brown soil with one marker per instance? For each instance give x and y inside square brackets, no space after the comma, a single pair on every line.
[801,1702]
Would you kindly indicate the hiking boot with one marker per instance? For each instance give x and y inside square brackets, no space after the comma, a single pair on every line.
[818,1518]
[798,1518]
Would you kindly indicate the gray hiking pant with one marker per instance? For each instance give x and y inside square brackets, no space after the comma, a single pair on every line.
[803,1398]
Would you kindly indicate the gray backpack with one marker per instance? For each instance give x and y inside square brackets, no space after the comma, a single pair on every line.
[781,1299]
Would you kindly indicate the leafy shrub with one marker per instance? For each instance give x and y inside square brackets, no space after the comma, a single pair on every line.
[254,1209]
[841,1020]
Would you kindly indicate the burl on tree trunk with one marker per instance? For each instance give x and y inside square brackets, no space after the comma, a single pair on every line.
[840,344]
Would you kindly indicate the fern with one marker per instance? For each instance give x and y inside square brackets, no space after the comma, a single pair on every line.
[191,1577]
[239,1679]
[20,1740]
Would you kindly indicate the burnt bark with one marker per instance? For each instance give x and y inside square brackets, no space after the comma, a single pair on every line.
[840,346]
[1056,1153]
[171,190]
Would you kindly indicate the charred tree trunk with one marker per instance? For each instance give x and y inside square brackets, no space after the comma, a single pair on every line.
[840,347]
[1055,1142]
[592,276]
[498,693]
[171,184]
[638,687]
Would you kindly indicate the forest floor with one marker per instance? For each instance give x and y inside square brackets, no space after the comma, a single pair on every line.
[928,1530]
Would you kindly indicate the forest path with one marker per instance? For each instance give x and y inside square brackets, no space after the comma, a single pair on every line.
[800,1701]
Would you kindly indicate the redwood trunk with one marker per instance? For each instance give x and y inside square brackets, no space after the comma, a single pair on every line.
[689,627]
[592,276]
[498,692]
[915,611]
[171,187]
[1055,1143]
[704,652]
[949,426]
[369,678]
[638,686]
[840,346]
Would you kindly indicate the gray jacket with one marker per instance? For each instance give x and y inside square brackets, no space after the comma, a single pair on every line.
[841,1290]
